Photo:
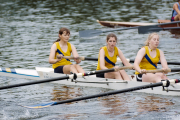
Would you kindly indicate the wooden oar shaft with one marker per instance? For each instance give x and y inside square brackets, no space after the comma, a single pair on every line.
[81,58]
[155,71]
[122,68]
[160,70]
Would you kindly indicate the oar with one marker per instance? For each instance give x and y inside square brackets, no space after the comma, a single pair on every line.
[91,33]
[81,58]
[164,83]
[119,60]
[72,76]
[150,29]
[169,63]
[87,58]
[160,70]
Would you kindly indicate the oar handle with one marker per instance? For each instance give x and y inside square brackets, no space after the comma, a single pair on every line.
[81,58]
[160,70]
[71,57]
[122,68]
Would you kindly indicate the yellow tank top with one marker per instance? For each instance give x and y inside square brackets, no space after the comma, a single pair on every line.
[60,51]
[109,61]
[148,62]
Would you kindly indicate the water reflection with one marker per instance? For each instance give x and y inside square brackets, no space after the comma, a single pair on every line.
[65,92]
[125,106]
[134,105]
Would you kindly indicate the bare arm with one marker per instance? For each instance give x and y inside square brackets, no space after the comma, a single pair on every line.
[175,6]
[138,59]
[52,55]
[101,59]
[75,54]
[163,60]
[123,59]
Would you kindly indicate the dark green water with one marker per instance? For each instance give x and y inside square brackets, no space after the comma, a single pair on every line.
[29,28]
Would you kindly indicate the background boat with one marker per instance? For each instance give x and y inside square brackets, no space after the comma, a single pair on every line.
[114,24]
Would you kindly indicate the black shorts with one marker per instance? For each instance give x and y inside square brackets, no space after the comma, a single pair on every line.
[59,69]
[139,77]
[101,75]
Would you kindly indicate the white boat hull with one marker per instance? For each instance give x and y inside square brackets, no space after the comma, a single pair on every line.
[90,81]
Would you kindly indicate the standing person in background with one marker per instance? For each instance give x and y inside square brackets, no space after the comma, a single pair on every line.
[147,59]
[176,11]
[108,57]
[60,48]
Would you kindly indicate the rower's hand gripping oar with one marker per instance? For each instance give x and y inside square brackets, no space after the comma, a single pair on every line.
[164,83]
[71,76]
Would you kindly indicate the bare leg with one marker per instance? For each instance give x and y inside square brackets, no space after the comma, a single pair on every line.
[67,69]
[113,75]
[124,75]
[72,68]
[79,68]
[154,78]
[177,17]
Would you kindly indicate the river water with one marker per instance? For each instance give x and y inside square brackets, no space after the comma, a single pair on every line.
[28,28]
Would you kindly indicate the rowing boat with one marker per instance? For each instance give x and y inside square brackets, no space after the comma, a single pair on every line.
[113,24]
[134,24]
[90,81]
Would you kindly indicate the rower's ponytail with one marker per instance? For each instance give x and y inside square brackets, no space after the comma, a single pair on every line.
[61,32]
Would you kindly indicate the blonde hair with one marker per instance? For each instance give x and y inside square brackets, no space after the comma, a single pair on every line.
[149,38]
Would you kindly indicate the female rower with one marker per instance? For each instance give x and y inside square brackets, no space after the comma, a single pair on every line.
[108,57]
[176,11]
[147,59]
[60,48]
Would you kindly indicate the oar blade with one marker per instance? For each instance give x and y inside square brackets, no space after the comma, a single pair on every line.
[42,105]
[149,29]
[89,33]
